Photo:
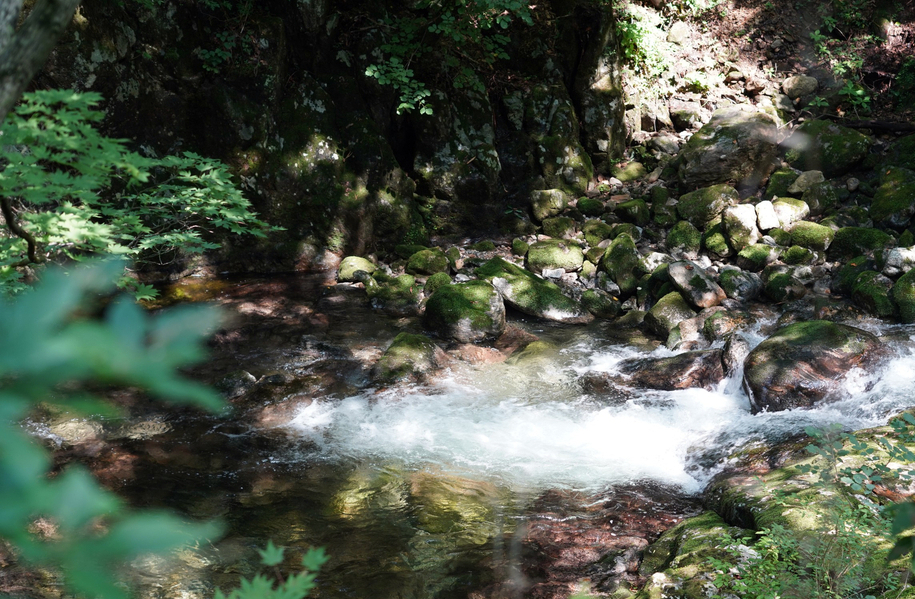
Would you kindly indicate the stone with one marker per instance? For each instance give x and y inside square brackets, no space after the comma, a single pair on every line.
[548,202]
[901,154]
[780,284]
[797,255]
[634,211]
[435,281]
[738,145]
[688,370]
[667,313]
[735,352]
[803,364]
[756,257]
[790,210]
[631,171]
[695,285]
[897,261]
[903,295]
[679,33]
[849,272]
[428,262]
[664,142]
[740,226]
[559,227]
[519,247]
[620,262]
[528,293]
[739,284]
[855,241]
[779,182]
[804,181]
[596,231]
[554,253]
[827,147]
[590,206]
[820,198]
[798,86]
[894,201]
[871,292]
[812,236]
[398,296]
[409,357]
[351,265]
[684,239]
[465,312]
[685,115]
[715,242]
[766,217]
[702,206]
[601,304]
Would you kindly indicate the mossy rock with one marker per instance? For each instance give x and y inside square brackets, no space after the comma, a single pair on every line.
[871,292]
[849,271]
[405,250]
[901,154]
[779,284]
[739,284]
[894,201]
[454,254]
[629,172]
[465,312]
[906,239]
[667,313]
[781,237]
[827,147]
[663,214]
[462,510]
[528,293]
[790,210]
[351,265]
[633,211]
[684,237]
[437,280]
[797,255]
[812,236]
[779,182]
[428,262]
[601,304]
[398,296]
[855,241]
[520,247]
[594,254]
[554,253]
[756,257]
[620,261]
[633,231]
[560,227]
[702,206]
[483,246]
[548,202]
[820,198]
[903,295]
[596,231]
[408,357]
[590,206]
[715,242]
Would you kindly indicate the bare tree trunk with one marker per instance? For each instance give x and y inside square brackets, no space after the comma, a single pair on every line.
[24,51]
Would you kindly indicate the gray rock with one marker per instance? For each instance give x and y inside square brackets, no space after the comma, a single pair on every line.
[685,115]
[799,86]
[766,218]
[688,370]
[740,226]
[667,313]
[695,285]
[548,202]
[804,181]
[736,349]
[790,210]
[739,284]
[897,261]
[679,33]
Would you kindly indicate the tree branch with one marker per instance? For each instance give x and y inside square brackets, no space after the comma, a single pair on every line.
[13,225]
[24,52]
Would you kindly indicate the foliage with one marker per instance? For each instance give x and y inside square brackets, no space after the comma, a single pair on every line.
[839,560]
[74,193]
[468,36]
[49,356]
[642,41]
[904,83]
[294,586]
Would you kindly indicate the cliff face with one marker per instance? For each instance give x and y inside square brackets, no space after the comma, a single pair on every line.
[279,91]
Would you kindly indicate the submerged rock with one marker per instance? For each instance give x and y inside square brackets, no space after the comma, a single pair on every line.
[804,362]
[688,370]
[466,312]
[528,293]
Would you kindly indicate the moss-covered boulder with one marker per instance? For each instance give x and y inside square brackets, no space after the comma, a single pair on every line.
[630,171]
[465,312]
[620,262]
[695,285]
[528,293]
[780,284]
[715,242]
[559,227]
[435,281]
[684,238]
[554,253]
[797,255]
[601,304]
[903,295]
[812,236]
[633,211]
[739,284]
[548,202]
[409,357]
[596,231]
[871,292]
[779,182]
[856,241]
[737,145]
[849,271]
[667,313]
[803,363]
[820,198]
[828,147]
[790,211]
[352,265]
[894,201]
[702,206]
[901,153]
[428,262]
[756,257]
[590,206]
[462,510]
[739,224]
[520,247]
[399,296]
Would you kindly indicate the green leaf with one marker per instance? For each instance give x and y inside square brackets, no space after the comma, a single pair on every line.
[271,555]
[314,558]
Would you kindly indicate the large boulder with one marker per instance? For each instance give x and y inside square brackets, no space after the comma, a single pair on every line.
[737,145]
[528,293]
[702,206]
[555,253]
[466,312]
[827,147]
[894,201]
[352,265]
[696,369]
[804,362]
[740,226]
[620,261]
[667,313]
[409,357]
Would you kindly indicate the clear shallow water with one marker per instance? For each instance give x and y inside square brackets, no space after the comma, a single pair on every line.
[529,425]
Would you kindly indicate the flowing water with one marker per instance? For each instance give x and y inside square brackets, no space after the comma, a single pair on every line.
[437,490]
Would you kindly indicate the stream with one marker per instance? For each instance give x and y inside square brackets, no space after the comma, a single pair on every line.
[499,479]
